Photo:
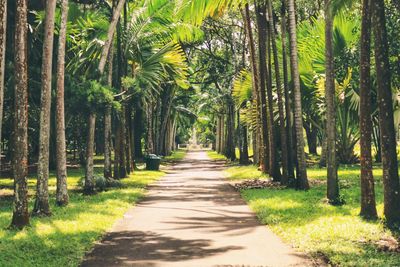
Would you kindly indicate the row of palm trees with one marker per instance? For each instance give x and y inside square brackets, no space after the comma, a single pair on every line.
[132,64]
[263,56]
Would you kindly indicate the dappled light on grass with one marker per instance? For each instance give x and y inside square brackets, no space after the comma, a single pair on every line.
[61,240]
[305,220]
[215,155]
[176,155]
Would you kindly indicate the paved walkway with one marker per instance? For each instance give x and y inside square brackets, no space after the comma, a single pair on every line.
[192,217]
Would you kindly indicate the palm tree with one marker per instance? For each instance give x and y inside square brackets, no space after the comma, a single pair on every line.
[391,183]
[3,30]
[108,123]
[285,172]
[368,205]
[332,176]
[42,207]
[298,114]
[61,153]
[262,72]
[20,153]
[110,35]
[288,110]
[89,188]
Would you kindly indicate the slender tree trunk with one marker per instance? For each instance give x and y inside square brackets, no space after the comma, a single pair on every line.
[288,111]
[285,173]
[391,183]
[116,152]
[110,35]
[230,139]
[138,130]
[89,187]
[108,143]
[42,207]
[302,180]
[20,149]
[108,123]
[122,144]
[217,133]
[331,162]
[259,143]
[61,152]
[311,134]
[262,86]
[3,31]
[368,205]
[128,151]
[274,169]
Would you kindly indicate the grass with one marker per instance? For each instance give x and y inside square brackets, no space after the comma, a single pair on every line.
[176,155]
[306,221]
[215,155]
[63,238]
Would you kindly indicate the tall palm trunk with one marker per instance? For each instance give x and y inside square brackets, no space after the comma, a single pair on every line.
[258,140]
[20,149]
[288,110]
[262,87]
[42,192]
[110,35]
[230,139]
[285,174]
[391,183]
[128,147]
[243,144]
[302,180]
[331,162]
[274,168]
[3,31]
[108,124]
[138,131]
[61,152]
[368,205]
[89,187]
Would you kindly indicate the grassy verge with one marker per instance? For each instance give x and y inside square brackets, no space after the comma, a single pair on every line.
[62,239]
[215,156]
[176,155]
[304,220]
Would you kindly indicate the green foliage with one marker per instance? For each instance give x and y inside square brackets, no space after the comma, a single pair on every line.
[242,87]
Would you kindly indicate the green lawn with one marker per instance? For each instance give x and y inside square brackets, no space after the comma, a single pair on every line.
[304,220]
[63,239]
[176,155]
[215,156]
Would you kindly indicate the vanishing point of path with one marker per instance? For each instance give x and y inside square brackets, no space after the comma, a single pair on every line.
[192,217]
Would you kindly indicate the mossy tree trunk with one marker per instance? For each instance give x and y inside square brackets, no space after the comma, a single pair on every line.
[42,207]
[89,187]
[368,204]
[302,180]
[62,197]
[3,34]
[20,216]
[331,161]
[391,183]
